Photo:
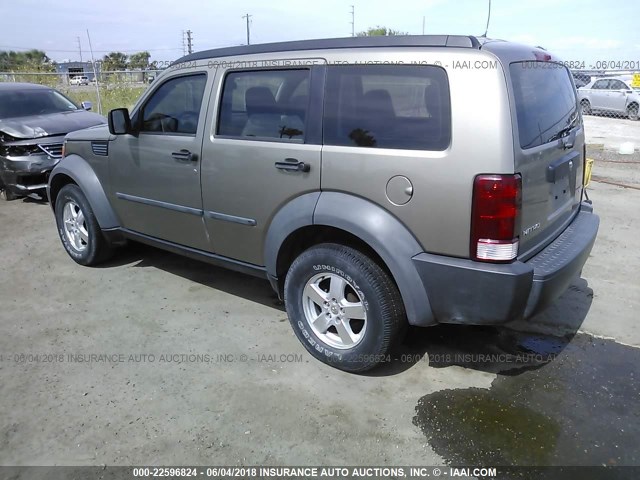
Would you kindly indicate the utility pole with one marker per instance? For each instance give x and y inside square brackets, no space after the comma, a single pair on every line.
[189,42]
[184,45]
[79,48]
[353,21]
[247,16]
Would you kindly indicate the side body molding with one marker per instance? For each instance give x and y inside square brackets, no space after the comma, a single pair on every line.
[388,237]
[81,172]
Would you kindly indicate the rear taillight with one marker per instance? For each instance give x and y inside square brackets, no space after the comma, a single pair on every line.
[495,217]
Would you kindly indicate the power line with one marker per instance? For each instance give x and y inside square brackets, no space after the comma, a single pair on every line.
[97,51]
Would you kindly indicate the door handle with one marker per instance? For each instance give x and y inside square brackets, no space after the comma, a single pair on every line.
[184,155]
[293,164]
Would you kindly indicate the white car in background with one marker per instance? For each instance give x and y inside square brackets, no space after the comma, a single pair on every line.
[79,80]
[610,95]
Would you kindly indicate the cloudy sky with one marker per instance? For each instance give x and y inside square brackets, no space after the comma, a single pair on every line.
[587,30]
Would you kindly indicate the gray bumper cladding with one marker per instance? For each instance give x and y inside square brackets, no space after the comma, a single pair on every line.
[464,291]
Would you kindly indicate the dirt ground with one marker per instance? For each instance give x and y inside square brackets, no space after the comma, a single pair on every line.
[197,365]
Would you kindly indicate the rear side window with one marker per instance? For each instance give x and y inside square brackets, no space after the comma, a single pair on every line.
[545,101]
[387,106]
[266,104]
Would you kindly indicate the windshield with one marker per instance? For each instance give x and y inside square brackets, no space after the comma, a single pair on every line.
[545,101]
[25,103]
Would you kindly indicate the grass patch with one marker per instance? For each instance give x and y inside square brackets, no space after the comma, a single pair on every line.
[112,96]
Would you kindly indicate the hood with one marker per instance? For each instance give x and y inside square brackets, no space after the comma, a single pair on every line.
[51,124]
[100,132]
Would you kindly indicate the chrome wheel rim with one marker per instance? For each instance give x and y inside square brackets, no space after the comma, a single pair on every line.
[75,226]
[334,310]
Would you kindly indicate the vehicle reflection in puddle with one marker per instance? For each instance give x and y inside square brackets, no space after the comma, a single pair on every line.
[575,403]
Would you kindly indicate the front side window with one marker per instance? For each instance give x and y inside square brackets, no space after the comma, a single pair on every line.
[265,104]
[545,102]
[174,108]
[387,106]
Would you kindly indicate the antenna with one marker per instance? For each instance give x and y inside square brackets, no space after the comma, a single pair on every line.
[486,30]
[423,24]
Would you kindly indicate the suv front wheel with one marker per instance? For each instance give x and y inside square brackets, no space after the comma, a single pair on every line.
[343,307]
[78,228]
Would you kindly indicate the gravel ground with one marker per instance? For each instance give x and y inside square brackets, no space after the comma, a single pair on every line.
[197,365]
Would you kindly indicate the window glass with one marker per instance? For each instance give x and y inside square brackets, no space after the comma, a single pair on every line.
[27,102]
[265,104]
[601,85]
[617,85]
[175,106]
[545,102]
[387,106]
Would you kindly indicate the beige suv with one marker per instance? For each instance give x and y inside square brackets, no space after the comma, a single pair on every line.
[375,182]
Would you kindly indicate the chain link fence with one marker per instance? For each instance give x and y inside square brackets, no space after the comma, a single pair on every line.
[106,90]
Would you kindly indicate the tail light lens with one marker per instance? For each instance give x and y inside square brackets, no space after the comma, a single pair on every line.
[495,217]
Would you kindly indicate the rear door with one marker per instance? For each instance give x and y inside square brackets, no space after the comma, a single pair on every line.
[548,150]
[617,96]
[598,94]
[264,151]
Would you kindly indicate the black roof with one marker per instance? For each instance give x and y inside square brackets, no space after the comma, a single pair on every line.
[464,41]
[22,86]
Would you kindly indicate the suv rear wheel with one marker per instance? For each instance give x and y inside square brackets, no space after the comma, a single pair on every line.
[343,307]
[78,228]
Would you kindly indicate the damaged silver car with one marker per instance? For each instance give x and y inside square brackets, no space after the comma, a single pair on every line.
[33,122]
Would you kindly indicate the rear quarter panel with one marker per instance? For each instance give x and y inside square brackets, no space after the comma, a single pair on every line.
[439,212]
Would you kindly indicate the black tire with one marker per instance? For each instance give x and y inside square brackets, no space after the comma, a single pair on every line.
[586,107]
[96,247]
[375,291]
[632,111]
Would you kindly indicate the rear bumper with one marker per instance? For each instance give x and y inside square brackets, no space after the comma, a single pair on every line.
[464,291]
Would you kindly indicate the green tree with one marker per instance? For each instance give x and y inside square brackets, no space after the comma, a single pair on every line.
[114,61]
[139,60]
[29,61]
[380,32]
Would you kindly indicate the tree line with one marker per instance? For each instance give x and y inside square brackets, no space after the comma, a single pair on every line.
[38,61]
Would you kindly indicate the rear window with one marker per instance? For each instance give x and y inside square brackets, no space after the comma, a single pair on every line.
[545,101]
[387,106]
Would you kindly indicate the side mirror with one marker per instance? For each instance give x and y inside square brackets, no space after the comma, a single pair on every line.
[119,121]
[86,105]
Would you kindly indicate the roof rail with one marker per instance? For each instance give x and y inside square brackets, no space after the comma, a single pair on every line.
[463,41]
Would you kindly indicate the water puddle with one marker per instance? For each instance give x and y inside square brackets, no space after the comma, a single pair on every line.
[554,402]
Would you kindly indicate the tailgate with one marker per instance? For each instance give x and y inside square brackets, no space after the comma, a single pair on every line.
[549,151]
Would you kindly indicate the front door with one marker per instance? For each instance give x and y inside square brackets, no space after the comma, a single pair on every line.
[155,174]
[265,151]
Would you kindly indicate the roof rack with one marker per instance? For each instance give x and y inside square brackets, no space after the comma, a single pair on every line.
[461,41]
